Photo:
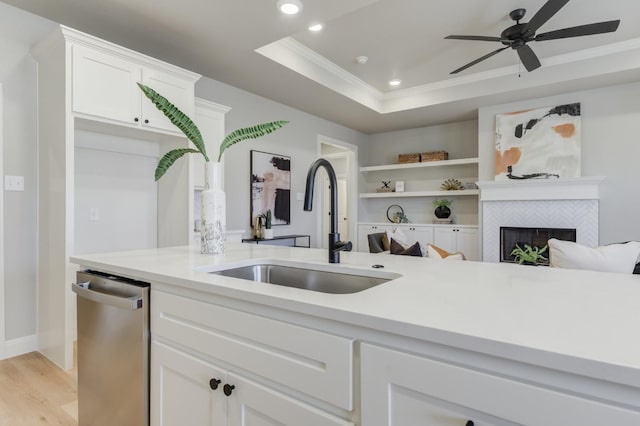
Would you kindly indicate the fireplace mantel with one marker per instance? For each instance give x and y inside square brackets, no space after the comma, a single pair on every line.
[583,188]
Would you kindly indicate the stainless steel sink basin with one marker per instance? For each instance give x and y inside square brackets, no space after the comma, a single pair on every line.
[308,279]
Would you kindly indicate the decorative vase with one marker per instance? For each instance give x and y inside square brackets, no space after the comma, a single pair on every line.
[213,221]
[442,212]
[267,233]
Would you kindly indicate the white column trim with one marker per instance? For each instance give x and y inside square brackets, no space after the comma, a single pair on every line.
[2,309]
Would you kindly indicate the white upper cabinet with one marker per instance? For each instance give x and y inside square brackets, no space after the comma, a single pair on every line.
[176,89]
[104,86]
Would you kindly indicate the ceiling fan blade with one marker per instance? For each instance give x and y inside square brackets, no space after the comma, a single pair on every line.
[579,31]
[528,58]
[476,38]
[545,13]
[470,64]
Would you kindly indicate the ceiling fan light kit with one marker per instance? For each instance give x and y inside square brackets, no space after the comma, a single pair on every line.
[517,36]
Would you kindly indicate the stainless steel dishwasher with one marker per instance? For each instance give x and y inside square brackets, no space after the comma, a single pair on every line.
[113,350]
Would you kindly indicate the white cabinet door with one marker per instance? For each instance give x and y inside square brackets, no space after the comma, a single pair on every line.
[251,404]
[363,231]
[104,85]
[446,239]
[454,239]
[177,91]
[181,392]
[421,234]
[400,389]
[467,242]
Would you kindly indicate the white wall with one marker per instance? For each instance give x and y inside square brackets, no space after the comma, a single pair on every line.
[299,140]
[19,159]
[115,196]
[458,139]
[610,148]
[18,31]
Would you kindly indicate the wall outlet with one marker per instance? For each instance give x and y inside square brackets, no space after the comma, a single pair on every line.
[300,196]
[94,214]
[13,183]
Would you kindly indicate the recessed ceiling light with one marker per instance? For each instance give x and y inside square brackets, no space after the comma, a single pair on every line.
[289,7]
[315,27]
[395,82]
[362,60]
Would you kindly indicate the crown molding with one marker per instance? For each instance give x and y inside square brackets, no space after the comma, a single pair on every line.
[611,58]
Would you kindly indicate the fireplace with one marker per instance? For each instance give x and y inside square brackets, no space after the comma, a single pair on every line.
[534,237]
[566,203]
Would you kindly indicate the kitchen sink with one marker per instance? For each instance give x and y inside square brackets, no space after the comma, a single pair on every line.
[342,282]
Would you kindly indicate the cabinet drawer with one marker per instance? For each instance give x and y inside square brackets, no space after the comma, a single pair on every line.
[313,362]
[402,389]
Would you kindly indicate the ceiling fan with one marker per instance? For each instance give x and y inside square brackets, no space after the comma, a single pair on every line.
[518,35]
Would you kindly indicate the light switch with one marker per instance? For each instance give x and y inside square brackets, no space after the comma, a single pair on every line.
[13,183]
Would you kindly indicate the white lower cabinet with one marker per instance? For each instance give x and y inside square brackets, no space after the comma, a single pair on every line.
[313,365]
[401,389]
[180,389]
[364,231]
[187,390]
[454,239]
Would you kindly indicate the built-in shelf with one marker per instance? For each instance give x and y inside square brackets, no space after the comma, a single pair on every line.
[404,166]
[419,194]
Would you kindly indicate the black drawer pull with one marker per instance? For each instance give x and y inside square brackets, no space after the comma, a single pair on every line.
[213,383]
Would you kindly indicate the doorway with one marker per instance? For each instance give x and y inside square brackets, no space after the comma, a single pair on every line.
[343,157]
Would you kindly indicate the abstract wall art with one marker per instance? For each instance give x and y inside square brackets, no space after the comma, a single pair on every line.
[540,143]
[271,187]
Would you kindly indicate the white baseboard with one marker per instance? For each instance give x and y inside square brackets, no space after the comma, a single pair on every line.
[21,345]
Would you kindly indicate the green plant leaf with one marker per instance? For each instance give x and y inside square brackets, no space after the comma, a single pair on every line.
[253,132]
[169,158]
[178,119]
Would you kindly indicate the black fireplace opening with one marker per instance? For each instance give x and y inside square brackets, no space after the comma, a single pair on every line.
[534,237]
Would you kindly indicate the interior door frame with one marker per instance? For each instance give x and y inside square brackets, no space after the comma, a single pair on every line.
[352,180]
[2,310]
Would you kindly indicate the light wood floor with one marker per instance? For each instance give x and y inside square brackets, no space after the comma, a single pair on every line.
[34,391]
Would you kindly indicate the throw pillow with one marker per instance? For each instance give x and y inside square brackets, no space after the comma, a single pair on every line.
[436,252]
[612,258]
[397,235]
[397,248]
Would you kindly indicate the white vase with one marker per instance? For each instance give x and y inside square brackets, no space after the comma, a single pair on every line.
[268,234]
[213,220]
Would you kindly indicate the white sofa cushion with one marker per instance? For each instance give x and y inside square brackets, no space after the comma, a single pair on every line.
[611,258]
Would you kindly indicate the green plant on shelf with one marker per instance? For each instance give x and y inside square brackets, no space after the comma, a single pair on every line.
[441,203]
[529,255]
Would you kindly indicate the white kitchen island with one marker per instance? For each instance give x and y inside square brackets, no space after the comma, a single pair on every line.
[447,343]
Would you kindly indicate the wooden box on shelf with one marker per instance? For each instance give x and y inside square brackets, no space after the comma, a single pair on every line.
[434,156]
[408,158]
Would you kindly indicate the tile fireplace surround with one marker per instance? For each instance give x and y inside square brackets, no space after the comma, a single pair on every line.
[553,203]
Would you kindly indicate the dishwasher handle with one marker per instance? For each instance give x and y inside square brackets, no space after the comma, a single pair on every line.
[131,303]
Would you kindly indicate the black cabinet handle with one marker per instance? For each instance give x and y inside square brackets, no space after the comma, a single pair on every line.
[146,121]
[469,423]
[213,384]
[227,389]
[136,119]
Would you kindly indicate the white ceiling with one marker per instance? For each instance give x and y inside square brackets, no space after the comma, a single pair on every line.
[317,72]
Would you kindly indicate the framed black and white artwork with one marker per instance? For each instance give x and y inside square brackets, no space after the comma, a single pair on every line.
[271,187]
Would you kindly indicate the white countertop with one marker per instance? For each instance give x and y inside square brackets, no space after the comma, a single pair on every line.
[577,321]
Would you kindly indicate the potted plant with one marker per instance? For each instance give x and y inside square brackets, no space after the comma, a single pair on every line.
[213,223]
[442,210]
[528,255]
[268,232]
